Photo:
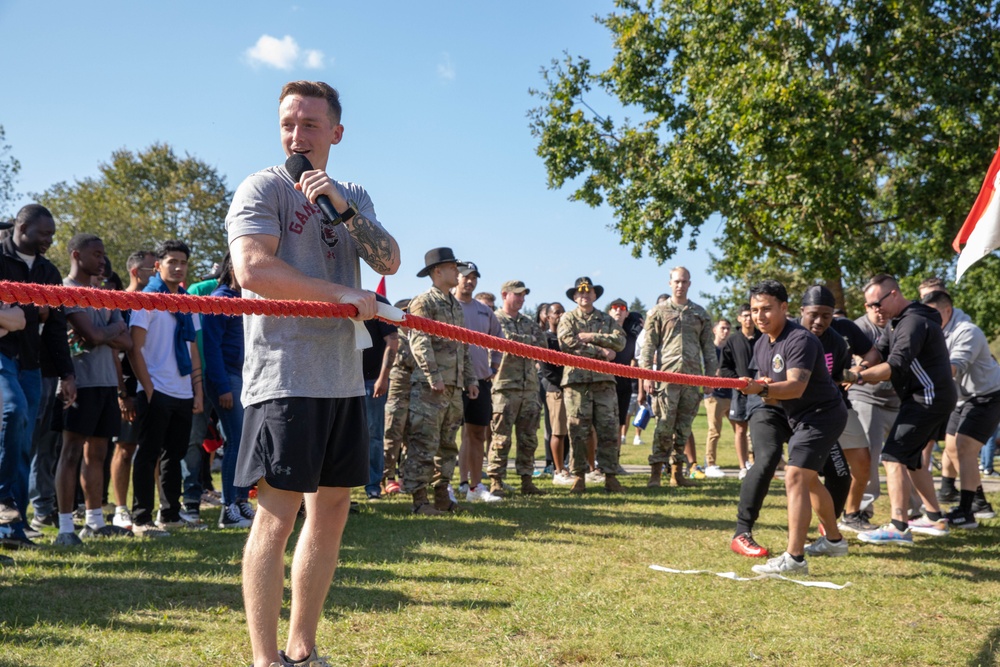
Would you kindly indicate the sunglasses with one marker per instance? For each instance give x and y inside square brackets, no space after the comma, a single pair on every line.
[878,304]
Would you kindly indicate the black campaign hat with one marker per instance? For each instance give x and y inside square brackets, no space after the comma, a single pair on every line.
[434,257]
[588,284]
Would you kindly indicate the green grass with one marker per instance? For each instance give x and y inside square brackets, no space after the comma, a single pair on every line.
[539,581]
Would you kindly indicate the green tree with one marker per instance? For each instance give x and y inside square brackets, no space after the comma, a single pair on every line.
[637,306]
[140,199]
[9,167]
[833,139]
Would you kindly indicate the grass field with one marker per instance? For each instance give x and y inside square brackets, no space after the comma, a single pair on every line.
[540,581]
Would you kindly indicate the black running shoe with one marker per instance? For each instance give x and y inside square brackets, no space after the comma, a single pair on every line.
[982,509]
[959,518]
[948,495]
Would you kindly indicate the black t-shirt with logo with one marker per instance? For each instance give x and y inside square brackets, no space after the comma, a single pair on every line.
[797,347]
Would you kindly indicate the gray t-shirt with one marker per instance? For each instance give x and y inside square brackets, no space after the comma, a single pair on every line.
[94,366]
[301,356]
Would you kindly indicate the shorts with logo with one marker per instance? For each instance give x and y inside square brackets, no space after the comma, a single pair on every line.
[95,413]
[915,426]
[977,418]
[300,444]
[479,412]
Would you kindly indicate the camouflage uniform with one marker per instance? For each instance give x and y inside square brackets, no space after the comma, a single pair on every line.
[591,398]
[397,405]
[682,338]
[435,417]
[515,400]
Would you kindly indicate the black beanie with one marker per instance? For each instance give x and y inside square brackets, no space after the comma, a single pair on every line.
[818,295]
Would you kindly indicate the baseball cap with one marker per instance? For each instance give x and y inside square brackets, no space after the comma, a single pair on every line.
[465,268]
[514,287]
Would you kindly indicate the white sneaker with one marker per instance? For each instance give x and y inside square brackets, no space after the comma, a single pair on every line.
[481,494]
[562,478]
[783,564]
[623,440]
[122,518]
[451,494]
[714,471]
[637,440]
[463,487]
[595,477]
[824,547]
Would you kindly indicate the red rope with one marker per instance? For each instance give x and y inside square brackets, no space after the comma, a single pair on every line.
[57,295]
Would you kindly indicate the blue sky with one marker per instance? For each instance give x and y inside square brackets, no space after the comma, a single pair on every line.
[435,99]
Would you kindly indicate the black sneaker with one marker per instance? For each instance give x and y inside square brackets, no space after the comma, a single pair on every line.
[982,509]
[9,512]
[230,517]
[855,524]
[42,521]
[959,518]
[948,495]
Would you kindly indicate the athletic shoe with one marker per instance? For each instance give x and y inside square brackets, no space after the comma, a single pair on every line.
[104,531]
[14,542]
[697,472]
[562,478]
[149,530]
[481,494]
[745,545]
[925,526]
[993,474]
[961,518]
[32,534]
[181,522]
[636,441]
[122,518]
[211,498]
[982,509]
[783,564]
[714,472]
[948,495]
[9,512]
[887,534]
[594,477]
[854,524]
[67,540]
[42,521]
[246,509]
[392,487]
[743,473]
[623,440]
[374,495]
[230,517]
[451,495]
[311,660]
[190,513]
[824,547]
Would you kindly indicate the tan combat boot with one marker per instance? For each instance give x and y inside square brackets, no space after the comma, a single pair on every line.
[528,487]
[496,487]
[677,477]
[442,501]
[612,485]
[421,505]
[579,485]
[655,476]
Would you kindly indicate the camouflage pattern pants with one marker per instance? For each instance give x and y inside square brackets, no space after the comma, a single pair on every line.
[676,409]
[592,405]
[397,408]
[514,411]
[431,451]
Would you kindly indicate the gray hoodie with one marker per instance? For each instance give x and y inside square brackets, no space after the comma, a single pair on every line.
[976,371]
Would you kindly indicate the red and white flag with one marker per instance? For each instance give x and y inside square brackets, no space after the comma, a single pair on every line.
[380,290]
[981,232]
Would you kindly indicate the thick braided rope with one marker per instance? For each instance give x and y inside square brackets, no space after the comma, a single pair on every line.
[57,295]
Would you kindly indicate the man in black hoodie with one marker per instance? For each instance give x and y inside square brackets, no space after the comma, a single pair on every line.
[22,260]
[914,356]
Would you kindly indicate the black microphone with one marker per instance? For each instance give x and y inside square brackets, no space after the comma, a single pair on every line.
[298,164]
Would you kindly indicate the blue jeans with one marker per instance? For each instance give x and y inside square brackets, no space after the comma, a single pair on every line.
[375,408]
[44,452]
[988,451]
[231,422]
[22,391]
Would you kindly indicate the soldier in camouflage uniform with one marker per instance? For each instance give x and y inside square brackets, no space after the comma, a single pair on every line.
[515,395]
[442,369]
[679,332]
[397,406]
[591,398]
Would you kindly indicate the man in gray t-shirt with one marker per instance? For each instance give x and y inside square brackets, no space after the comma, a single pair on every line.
[304,430]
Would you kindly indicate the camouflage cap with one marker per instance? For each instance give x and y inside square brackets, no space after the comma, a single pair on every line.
[514,287]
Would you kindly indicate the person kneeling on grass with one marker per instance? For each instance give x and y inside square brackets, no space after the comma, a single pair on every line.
[792,370]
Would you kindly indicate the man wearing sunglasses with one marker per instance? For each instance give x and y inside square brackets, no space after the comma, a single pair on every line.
[914,356]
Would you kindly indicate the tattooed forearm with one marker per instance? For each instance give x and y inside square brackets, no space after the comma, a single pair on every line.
[375,245]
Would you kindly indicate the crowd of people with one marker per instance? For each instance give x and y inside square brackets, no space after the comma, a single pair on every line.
[96,400]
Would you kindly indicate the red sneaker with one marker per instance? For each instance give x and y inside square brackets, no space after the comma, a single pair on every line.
[392,486]
[744,545]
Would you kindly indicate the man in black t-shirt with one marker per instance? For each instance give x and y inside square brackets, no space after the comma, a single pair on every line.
[792,370]
[376,362]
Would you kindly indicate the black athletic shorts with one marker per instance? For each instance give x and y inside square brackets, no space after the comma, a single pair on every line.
[623,387]
[301,444]
[915,426]
[95,413]
[738,408]
[811,441]
[977,418]
[479,412]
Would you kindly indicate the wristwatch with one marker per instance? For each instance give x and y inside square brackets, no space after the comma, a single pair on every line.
[763,390]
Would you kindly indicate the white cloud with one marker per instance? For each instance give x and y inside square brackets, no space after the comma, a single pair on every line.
[446,68]
[283,53]
[314,59]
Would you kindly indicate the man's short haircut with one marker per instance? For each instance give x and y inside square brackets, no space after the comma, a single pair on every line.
[553,305]
[934,283]
[881,279]
[937,298]
[31,214]
[721,320]
[172,245]
[317,89]
[680,268]
[135,259]
[487,296]
[744,307]
[663,297]
[82,240]
[769,288]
